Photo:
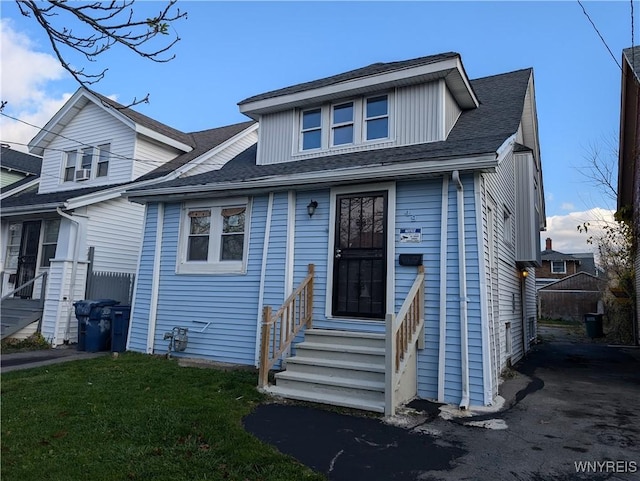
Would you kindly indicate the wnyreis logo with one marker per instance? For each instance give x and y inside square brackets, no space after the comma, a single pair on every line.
[606,466]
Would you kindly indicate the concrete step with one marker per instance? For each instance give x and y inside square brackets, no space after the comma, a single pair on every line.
[332,399]
[341,352]
[337,368]
[333,337]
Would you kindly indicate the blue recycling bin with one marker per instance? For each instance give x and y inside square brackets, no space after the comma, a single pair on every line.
[119,327]
[94,324]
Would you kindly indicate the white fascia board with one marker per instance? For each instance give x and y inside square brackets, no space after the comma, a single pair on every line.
[384,80]
[210,153]
[152,134]
[505,148]
[9,193]
[107,194]
[486,163]
[32,209]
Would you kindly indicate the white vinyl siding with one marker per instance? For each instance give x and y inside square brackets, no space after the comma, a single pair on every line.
[451,111]
[114,229]
[92,126]
[223,156]
[149,155]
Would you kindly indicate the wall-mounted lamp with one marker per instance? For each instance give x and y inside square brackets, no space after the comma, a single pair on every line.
[524,273]
[311,208]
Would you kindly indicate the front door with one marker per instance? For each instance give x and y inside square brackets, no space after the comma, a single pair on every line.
[27,260]
[360,254]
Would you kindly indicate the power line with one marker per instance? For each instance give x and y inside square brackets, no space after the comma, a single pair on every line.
[83,144]
[600,35]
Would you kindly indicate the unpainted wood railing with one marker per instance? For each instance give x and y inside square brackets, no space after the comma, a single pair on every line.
[280,329]
[405,331]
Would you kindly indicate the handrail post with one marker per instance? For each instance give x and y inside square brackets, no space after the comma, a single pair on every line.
[390,369]
[263,374]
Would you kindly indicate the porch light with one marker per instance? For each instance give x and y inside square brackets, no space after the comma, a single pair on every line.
[524,273]
[311,208]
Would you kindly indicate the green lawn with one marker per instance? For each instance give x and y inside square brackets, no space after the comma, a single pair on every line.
[134,417]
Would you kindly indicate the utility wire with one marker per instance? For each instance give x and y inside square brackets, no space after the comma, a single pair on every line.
[600,35]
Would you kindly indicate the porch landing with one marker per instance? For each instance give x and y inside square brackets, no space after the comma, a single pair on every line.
[340,368]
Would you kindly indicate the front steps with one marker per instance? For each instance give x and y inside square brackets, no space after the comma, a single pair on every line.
[18,313]
[339,368]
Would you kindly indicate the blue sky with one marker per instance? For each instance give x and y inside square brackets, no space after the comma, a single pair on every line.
[233,50]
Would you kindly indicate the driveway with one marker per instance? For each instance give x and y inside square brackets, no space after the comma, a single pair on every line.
[571,413]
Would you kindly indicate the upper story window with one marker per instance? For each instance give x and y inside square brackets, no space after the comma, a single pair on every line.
[342,124]
[377,118]
[87,163]
[558,267]
[311,129]
[214,238]
[354,122]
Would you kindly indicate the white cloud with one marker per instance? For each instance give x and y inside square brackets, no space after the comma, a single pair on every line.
[25,75]
[563,229]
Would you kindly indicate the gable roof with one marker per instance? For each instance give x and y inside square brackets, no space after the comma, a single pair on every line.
[551,255]
[137,121]
[19,161]
[203,142]
[580,280]
[478,133]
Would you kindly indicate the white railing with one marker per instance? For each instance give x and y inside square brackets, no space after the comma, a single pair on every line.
[42,287]
[405,334]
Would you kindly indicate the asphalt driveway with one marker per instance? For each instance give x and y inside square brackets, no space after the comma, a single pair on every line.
[571,413]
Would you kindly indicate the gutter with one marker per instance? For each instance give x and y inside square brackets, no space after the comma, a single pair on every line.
[464,342]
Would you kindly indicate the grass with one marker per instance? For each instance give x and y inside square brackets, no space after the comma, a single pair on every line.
[134,417]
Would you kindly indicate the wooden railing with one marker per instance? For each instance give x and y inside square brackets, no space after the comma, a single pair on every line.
[280,329]
[405,332]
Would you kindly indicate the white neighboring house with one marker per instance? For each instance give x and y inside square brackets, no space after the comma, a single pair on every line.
[92,150]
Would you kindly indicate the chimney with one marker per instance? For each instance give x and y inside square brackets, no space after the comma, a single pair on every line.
[548,245]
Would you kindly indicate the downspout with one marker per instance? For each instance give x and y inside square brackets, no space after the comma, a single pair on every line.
[74,271]
[442,346]
[263,275]
[155,281]
[464,342]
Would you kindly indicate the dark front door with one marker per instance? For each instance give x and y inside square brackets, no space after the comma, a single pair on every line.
[27,260]
[360,253]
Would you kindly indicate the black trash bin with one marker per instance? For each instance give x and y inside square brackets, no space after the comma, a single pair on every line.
[94,324]
[593,324]
[119,327]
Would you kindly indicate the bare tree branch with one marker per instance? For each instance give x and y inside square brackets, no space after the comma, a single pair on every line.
[99,26]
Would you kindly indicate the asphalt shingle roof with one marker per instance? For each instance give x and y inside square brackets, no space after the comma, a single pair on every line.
[373,69]
[633,57]
[478,131]
[20,161]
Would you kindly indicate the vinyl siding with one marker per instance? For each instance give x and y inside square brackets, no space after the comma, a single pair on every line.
[223,156]
[115,230]
[92,126]
[416,116]
[451,112]
[149,155]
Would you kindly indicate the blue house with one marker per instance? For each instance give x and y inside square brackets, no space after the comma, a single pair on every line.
[376,244]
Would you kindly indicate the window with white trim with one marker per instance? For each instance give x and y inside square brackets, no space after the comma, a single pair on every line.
[214,237]
[350,122]
[507,226]
[13,245]
[558,267]
[49,241]
[93,161]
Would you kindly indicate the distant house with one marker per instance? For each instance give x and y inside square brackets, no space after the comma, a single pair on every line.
[75,226]
[558,265]
[391,212]
[18,171]
[629,159]
[571,297]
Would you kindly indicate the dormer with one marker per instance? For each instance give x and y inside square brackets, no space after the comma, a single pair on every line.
[382,105]
[94,141]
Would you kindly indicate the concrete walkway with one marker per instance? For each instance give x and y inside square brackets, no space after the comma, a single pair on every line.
[571,412]
[45,357]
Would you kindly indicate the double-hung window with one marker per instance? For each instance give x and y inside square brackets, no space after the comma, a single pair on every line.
[311,129]
[94,161]
[214,237]
[558,267]
[49,241]
[13,245]
[377,118]
[342,125]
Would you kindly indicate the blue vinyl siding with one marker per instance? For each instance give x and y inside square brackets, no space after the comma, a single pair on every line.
[418,204]
[142,303]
